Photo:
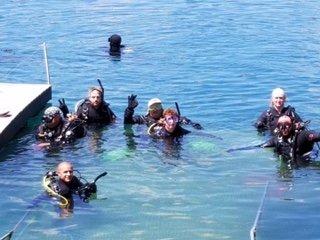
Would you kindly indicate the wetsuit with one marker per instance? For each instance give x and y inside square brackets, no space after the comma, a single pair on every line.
[65,132]
[66,189]
[115,45]
[297,147]
[268,119]
[161,132]
[91,115]
[129,118]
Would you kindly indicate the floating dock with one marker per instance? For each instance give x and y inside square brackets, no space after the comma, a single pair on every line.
[20,102]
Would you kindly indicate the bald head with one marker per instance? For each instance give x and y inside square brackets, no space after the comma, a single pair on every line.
[285,120]
[285,126]
[65,171]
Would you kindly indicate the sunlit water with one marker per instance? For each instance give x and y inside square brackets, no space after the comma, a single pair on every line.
[219,60]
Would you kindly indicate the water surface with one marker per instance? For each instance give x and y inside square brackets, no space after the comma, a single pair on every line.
[219,61]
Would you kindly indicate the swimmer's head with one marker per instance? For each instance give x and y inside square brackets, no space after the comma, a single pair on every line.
[284,125]
[115,40]
[52,116]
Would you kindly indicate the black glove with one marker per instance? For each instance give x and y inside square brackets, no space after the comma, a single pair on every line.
[87,190]
[197,126]
[184,120]
[63,107]
[132,102]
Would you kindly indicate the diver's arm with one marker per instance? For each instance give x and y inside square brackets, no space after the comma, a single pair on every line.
[313,136]
[39,134]
[270,143]
[187,121]
[262,120]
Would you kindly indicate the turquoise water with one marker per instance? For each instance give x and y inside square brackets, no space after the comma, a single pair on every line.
[219,60]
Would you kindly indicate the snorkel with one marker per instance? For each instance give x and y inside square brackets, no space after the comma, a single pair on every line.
[102,89]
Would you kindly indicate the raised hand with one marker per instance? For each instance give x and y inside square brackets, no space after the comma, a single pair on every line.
[63,107]
[132,101]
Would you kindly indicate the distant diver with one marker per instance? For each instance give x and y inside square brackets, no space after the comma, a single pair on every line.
[115,45]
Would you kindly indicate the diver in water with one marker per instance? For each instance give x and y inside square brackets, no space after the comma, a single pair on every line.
[292,143]
[115,45]
[168,126]
[269,118]
[94,109]
[55,129]
[155,111]
[63,183]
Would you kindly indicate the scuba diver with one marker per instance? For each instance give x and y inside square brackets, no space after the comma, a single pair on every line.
[168,126]
[291,142]
[56,130]
[269,118]
[155,111]
[115,45]
[94,109]
[62,183]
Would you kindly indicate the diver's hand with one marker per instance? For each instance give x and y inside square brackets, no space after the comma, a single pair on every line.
[184,120]
[72,117]
[132,101]
[63,107]
[87,190]
[197,126]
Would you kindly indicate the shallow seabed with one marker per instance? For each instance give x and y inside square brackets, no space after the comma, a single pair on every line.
[219,60]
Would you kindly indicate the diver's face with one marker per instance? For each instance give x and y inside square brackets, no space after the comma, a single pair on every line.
[95,98]
[285,128]
[155,111]
[171,122]
[65,172]
[54,122]
[278,101]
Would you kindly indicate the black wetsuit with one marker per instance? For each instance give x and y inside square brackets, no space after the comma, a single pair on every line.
[161,132]
[65,132]
[67,189]
[297,147]
[91,115]
[268,119]
[129,118]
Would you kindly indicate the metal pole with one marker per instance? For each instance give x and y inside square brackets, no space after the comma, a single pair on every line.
[46,62]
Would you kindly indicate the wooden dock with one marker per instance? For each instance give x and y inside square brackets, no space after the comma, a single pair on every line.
[21,101]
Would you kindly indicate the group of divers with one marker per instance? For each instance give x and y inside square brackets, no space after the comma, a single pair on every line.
[289,134]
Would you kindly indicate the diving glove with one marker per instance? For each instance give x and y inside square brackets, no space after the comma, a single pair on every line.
[63,107]
[132,101]
[87,190]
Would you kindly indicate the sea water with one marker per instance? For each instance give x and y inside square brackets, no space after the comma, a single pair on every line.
[219,60]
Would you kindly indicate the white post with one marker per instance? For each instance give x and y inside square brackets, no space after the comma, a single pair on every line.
[46,62]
